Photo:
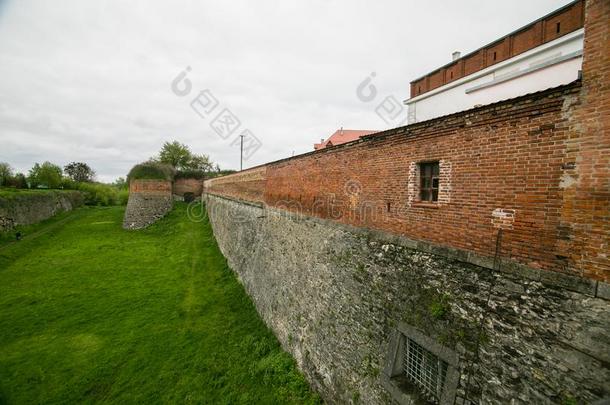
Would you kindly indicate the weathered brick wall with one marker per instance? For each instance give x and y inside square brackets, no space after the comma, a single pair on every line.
[248,185]
[508,156]
[583,232]
[537,166]
[149,201]
[150,186]
[182,186]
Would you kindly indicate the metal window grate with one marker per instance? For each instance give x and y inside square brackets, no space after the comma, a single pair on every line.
[424,369]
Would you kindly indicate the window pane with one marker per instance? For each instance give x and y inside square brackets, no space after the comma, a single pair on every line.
[425,195]
[429,181]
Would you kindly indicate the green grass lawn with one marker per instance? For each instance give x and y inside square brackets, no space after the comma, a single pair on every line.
[90,312]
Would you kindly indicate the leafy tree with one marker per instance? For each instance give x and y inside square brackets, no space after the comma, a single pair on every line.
[46,175]
[201,163]
[6,172]
[175,154]
[120,183]
[79,172]
[179,156]
[18,181]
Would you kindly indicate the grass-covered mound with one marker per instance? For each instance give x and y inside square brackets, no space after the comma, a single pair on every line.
[152,171]
[92,313]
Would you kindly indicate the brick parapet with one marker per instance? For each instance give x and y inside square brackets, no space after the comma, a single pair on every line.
[536,167]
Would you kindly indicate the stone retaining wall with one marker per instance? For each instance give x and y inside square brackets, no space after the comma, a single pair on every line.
[30,207]
[149,201]
[518,334]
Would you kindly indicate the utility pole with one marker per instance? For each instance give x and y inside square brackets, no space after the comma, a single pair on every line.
[241,153]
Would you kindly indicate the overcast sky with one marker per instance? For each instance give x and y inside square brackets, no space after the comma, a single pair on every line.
[91,80]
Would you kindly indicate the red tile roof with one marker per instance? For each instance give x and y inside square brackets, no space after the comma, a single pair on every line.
[343,136]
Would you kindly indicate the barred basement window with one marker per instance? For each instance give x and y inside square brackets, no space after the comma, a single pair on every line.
[424,369]
[429,181]
[420,369]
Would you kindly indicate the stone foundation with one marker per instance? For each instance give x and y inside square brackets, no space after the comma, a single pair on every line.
[334,295]
[149,201]
[30,207]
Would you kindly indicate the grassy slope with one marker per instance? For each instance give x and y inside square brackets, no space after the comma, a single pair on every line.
[33,230]
[90,312]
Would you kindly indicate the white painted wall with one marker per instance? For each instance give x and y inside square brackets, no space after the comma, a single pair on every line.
[548,65]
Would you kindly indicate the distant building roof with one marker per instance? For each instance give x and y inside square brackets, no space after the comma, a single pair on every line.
[343,136]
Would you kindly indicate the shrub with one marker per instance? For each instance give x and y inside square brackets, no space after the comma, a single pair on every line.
[120,183]
[151,170]
[17,181]
[99,193]
[123,196]
[219,173]
[69,184]
[6,172]
[190,174]
[46,175]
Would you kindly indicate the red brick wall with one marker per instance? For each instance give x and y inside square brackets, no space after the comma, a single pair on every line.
[584,233]
[453,72]
[150,186]
[536,167]
[419,87]
[501,51]
[245,185]
[569,20]
[182,186]
[473,63]
[527,38]
[437,79]
[500,166]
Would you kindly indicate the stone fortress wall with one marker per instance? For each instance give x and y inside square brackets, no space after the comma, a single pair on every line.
[30,207]
[504,279]
[149,200]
